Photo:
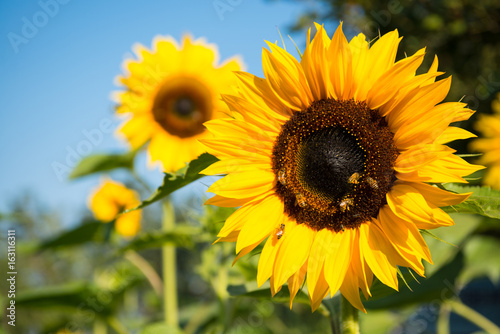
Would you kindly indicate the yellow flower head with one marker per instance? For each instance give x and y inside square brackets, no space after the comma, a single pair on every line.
[330,159]
[111,198]
[489,126]
[170,92]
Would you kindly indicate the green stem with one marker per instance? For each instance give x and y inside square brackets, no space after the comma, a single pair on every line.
[117,326]
[169,269]
[350,321]
[443,322]
[100,327]
[148,270]
[476,318]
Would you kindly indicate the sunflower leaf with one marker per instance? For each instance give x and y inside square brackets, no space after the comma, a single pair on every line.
[181,178]
[88,231]
[181,236]
[481,247]
[483,201]
[97,163]
[432,235]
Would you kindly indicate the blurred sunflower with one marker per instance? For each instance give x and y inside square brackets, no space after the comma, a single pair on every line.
[489,126]
[330,160]
[111,198]
[170,92]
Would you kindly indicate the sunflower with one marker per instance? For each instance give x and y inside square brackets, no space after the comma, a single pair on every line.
[170,92]
[489,126]
[332,160]
[109,199]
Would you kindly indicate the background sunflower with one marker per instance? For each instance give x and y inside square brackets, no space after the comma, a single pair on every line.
[171,91]
[110,199]
[489,146]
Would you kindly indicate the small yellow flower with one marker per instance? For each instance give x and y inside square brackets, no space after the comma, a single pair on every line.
[170,92]
[489,126]
[332,160]
[111,198]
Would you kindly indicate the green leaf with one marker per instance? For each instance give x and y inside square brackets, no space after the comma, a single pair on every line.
[77,295]
[88,231]
[380,290]
[439,239]
[483,201]
[181,236]
[479,259]
[281,297]
[436,288]
[183,177]
[97,163]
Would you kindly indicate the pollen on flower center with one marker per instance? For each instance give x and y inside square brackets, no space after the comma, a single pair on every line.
[334,164]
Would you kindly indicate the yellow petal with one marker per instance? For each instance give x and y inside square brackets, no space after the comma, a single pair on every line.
[293,253]
[453,133]
[260,221]
[245,184]
[418,156]
[338,259]
[295,282]
[438,197]
[375,249]
[409,204]
[350,290]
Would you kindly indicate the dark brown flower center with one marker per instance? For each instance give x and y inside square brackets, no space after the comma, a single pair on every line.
[181,106]
[334,164]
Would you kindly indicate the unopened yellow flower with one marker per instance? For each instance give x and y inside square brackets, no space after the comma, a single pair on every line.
[489,126]
[111,198]
[330,159]
[170,92]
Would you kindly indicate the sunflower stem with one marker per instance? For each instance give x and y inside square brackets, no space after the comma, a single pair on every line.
[169,269]
[147,270]
[350,321]
[474,317]
[443,322]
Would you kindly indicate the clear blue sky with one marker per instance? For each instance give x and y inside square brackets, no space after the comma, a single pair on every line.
[57,68]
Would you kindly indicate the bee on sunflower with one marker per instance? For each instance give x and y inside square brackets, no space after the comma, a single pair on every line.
[332,160]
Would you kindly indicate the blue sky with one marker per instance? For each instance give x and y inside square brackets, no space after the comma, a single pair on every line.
[58,62]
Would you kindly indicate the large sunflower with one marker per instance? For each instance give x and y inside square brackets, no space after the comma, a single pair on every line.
[489,126]
[170,92]
[330,159]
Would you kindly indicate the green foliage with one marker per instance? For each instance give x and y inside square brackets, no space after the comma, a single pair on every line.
[181,236]
[283,296]
[435,289]
[181,178]
[87,231]
[479,259]
[484,201]
[97,163]
[161,328]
